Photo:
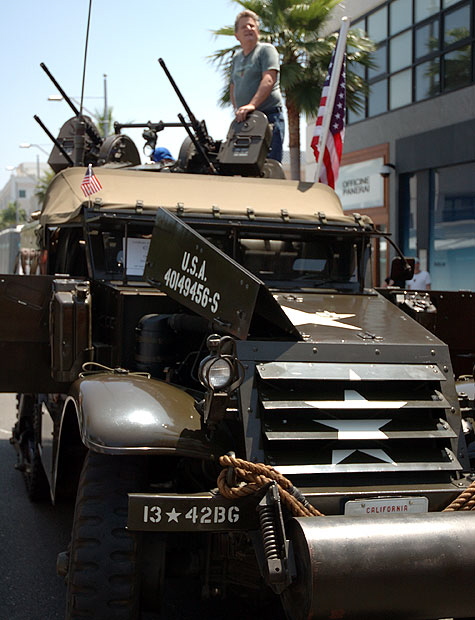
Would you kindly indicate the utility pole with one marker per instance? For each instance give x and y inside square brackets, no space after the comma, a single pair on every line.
[106,113]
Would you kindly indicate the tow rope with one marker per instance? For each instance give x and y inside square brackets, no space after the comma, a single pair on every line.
[239,478]
[465,501]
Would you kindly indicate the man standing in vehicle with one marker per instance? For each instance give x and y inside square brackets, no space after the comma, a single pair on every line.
[255,79]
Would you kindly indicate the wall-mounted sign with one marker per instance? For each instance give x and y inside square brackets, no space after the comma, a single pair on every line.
[360,186]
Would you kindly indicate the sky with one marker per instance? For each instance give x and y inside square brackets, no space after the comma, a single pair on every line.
[125,41]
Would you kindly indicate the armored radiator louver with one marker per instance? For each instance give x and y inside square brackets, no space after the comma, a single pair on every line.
[331,418]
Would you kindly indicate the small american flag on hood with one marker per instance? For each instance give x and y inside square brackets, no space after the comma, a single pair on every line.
[90,184]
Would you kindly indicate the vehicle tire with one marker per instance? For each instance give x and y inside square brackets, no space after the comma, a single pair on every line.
[103,580]
[29,422]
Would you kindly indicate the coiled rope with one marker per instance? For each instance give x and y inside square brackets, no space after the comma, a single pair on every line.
[465,501]
[253,476]
[239,478]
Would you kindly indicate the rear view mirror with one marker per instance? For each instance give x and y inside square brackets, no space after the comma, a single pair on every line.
[402,269]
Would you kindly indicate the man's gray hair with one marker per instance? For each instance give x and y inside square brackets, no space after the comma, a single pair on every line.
[246,13]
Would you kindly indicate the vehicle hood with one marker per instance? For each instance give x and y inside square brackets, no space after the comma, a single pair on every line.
[339,317]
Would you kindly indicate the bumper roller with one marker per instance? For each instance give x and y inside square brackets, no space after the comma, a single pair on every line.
[410,567]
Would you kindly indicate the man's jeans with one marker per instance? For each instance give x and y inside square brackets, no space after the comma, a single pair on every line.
[276,117]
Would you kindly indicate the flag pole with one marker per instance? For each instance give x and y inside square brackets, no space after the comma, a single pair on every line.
[332,90]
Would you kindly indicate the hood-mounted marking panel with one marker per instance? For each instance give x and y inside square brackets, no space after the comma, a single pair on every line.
[194,272]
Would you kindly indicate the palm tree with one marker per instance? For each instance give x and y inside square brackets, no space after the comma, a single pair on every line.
[293,27]
[42,186]
[11,216]
[104,121]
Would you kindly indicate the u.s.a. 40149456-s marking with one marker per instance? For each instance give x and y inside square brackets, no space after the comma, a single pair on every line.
[187,282]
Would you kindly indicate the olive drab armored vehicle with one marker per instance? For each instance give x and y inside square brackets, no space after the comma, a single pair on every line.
[207,366]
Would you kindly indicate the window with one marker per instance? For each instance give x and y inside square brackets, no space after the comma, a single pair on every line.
[377,100]
[452,256]
[378,25]
[380,64]
[427,79]
[22,193]
[355,116]
[457,68]
[400,89]
[424,48]
[400,15]
[360,113]
[425,8]
[408,214]
[400,51]
[457,25]
[426,39]
[299,261]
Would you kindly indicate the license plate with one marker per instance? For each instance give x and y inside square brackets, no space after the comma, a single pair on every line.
[202,512]
[386,506]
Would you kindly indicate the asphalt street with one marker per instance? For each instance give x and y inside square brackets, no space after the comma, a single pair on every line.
[31,536]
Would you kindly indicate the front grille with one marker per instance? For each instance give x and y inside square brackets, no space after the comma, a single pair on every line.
[325,419]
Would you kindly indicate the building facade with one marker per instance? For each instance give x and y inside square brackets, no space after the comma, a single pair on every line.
[409,155]
[21,186]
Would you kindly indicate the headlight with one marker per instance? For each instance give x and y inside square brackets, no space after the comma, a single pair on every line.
[216,373]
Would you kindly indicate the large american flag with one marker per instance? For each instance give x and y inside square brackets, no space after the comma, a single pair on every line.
[336,134]
[90,184]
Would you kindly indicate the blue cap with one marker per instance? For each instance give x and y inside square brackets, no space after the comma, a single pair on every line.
[161,153]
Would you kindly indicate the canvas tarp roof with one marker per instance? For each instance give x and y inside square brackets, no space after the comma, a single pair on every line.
[193,193]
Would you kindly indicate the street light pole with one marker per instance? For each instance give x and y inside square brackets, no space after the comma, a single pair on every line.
[27,145]
[74,100]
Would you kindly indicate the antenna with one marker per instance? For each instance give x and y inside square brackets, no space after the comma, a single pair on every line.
[85,57]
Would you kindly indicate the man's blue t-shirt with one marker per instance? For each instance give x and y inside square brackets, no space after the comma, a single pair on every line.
[247,73]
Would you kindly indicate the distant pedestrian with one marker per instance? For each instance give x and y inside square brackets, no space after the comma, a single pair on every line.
[421,279]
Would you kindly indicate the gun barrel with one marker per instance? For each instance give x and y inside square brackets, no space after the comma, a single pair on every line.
[191,116]
[53,139]
[63,94]
[91,131]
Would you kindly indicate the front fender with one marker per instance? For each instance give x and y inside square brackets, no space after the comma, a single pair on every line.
[131,413]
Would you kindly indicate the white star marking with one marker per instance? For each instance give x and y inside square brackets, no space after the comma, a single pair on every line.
[354,400]
[330,319]
[173,515]
[357,429]
[340,455]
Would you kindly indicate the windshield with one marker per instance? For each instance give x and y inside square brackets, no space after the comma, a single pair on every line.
[280,258]
[294,261]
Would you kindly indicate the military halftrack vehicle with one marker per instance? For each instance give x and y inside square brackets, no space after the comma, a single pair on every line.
[206,363]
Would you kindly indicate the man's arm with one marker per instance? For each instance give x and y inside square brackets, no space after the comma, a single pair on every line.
[263,91]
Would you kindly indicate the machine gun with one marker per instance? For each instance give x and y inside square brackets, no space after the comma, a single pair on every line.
[244,151]
[204,144]
[79,142]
